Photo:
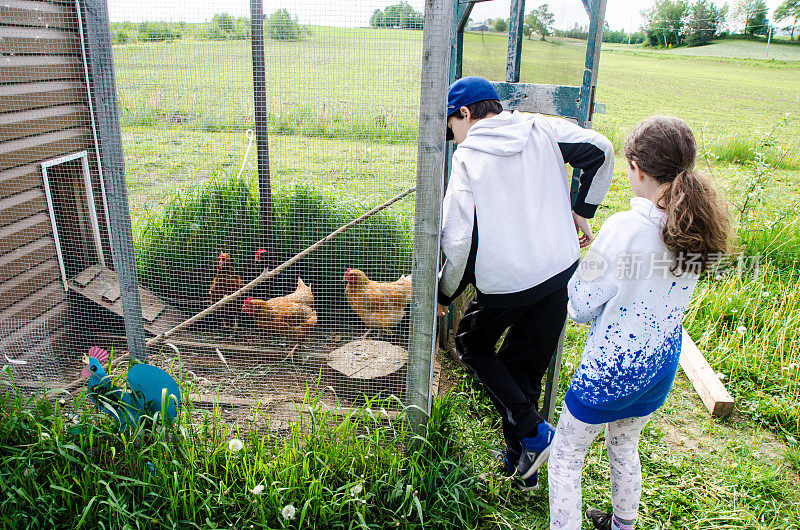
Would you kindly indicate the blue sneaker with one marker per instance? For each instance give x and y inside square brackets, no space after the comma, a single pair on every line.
[528,484]
[535,450]
[501,455]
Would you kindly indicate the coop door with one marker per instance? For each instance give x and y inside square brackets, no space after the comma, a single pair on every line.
[70,199]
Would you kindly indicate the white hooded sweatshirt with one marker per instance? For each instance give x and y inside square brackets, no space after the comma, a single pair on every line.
[507,225]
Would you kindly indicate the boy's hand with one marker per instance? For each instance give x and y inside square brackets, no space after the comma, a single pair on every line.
[585,236]
[441,310]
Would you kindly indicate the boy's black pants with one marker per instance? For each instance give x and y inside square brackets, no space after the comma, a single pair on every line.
[513,373]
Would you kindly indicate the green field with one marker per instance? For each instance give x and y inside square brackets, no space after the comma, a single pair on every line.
[343,112]
[361,86]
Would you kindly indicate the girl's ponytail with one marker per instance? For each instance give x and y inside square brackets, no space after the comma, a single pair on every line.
[697,224]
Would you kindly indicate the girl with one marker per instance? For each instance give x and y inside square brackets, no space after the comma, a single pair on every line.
[634,284]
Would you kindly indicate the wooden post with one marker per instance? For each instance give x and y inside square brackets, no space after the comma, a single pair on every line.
[553,372]
[428,207]
[97,32]
[514,56]
[596,9]
[597,15]
[704,379]
[262,128]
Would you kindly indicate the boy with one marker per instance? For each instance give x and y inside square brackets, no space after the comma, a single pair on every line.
[509,229]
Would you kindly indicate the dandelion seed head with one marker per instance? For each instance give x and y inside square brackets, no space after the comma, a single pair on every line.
[258,490]
[235,445]
[741,330]
[288,511]
[356,490]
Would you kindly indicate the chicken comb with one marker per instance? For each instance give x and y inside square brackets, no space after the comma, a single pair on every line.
[98,353]
[258,254]
[247,300]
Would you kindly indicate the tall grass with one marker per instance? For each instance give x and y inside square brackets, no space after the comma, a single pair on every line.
[312,122]
[741,148]
[360,470]
[748,325]
[177,251]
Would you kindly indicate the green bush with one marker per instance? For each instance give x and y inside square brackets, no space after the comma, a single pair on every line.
[176,253]
[224,26]
[157,32]
[281,26]
[120,37]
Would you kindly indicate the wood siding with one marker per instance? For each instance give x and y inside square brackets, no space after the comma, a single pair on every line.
[44,114]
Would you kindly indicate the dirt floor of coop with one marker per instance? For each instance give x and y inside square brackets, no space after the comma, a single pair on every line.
[238,370]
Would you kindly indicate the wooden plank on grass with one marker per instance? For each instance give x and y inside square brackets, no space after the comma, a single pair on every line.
[708,386]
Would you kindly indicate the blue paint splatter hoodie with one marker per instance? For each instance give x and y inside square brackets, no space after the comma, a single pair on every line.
[636,305]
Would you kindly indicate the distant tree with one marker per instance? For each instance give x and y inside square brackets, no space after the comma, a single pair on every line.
[224,22]
[789,9]
[377,19]
[664,22]
[540,21]
[705,20]
[753,14]
[281,26]
[577,32]
[500,25]
[401,15]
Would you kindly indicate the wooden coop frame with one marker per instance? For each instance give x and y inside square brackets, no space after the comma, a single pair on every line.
[59,112]
[572,102]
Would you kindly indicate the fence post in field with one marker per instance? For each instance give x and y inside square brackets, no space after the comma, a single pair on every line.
[514,56]
[428,207]
[262,140]
[103,90]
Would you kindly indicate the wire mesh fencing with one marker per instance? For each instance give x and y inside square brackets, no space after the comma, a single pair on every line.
[244,134]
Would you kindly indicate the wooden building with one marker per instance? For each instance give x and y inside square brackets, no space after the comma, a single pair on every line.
[53,222]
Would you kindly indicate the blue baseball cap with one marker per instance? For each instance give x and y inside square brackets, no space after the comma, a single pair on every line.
[466,91]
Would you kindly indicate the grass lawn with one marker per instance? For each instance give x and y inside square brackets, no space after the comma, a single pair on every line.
[343,107]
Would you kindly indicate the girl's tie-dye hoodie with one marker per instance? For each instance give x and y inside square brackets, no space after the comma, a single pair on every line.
[625,287]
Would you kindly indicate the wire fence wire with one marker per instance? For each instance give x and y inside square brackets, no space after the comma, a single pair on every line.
[218,189]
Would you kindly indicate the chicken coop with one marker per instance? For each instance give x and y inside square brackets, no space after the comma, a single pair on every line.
[246,195]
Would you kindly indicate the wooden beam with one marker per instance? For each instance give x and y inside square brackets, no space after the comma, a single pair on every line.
[554,100]
[708,386]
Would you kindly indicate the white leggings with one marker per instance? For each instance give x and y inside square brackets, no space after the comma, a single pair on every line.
[570,444]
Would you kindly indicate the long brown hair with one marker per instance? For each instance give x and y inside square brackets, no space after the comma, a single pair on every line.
[698,225]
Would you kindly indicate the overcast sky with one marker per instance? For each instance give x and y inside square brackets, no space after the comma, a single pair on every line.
[620,14]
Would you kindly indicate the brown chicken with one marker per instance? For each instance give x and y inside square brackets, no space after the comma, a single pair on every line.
[381,305]
[302,295]
[226,282]
[292,315]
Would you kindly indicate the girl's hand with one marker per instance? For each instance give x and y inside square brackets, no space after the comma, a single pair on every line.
[441,310]
[585,236]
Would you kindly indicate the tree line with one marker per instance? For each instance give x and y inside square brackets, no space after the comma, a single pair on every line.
[280,25]
[679,23]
